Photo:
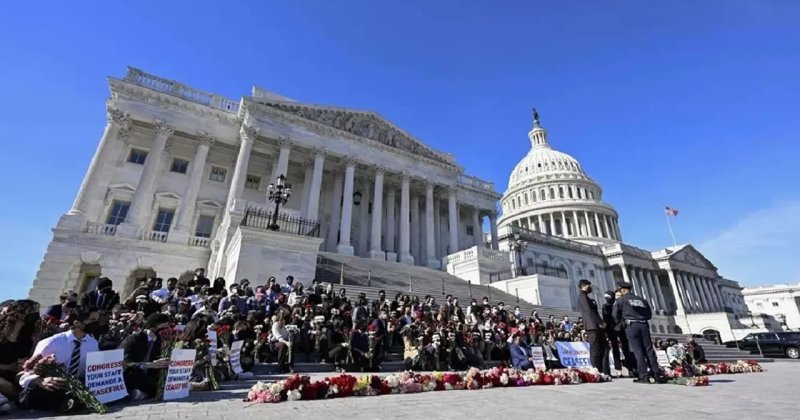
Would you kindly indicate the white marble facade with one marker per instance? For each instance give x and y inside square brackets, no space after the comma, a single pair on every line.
[177,169]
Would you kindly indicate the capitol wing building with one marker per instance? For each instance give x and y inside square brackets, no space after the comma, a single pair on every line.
[183,178]
[180,180]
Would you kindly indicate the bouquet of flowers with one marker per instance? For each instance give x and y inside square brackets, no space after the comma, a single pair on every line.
[47,366]
[169,340]
[203,359]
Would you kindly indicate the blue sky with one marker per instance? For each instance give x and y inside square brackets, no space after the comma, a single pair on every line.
[684,103]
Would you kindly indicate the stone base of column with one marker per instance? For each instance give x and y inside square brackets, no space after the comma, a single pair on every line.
[345,249]
[406,259]
[177,236]
[433,263]
[377,255]
[127,230]
[391,256]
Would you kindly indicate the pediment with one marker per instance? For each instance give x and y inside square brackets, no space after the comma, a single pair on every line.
[168,195]
[367,125]
[122,187]
[214,204]
[689,255]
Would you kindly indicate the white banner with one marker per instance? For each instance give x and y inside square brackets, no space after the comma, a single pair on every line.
[236,354]
[549,352]
[663,359]
[212,347]
[538,357]
[104,375]
[573,354]
[181,363]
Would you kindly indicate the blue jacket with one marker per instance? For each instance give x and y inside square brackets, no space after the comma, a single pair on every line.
[520,355]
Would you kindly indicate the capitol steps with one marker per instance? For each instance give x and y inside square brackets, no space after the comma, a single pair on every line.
[717,352]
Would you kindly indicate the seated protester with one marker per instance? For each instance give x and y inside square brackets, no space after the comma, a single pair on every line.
[338,345]
[258,302]
[411,347]
[288,287]
[242,331]
[234,299]
[675,353]
[164,294]
[567,325]
[104,298]
[19,324]
[218,288]
[487,346]
[61,311]
[281,343]
[199,279]
[436,355]
[521,356]
[696,352]
[359,343]
[143,361]
[69,349]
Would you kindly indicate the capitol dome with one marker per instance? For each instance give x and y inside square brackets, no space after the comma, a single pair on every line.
[549,192]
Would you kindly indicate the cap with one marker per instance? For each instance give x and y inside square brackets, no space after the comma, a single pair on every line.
[625,285]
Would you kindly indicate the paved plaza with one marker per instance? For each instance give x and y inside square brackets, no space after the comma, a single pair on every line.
[768,395]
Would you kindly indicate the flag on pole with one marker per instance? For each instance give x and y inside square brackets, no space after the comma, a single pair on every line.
[669,211]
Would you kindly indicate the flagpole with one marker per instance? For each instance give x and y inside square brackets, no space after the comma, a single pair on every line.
[671,233]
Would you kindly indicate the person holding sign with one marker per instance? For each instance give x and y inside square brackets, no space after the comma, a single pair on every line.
[635,312]
[142,358]
[595,327]
[521,355]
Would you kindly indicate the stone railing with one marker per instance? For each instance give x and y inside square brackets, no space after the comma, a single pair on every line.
[533,236]
[493,254]
[472,181]
[154,235]
[461,256]
[477,252]
[180,90]
[100,229]
[199,241]
[627,249]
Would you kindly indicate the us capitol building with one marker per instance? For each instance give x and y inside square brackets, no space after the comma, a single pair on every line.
[180,180]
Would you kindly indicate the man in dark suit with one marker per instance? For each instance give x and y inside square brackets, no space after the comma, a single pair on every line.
[521,355]
[595,326]
[60,312]
[143,360]
[104,298]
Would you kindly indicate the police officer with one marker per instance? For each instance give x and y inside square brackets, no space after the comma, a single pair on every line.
[635,312]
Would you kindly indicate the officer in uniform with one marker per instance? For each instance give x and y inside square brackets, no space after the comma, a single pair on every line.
[635,312]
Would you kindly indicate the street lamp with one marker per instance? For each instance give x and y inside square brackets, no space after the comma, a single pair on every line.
[278,194]
[518,246]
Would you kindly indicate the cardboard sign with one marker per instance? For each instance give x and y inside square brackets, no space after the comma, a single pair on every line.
[549,352]
[663,360]
[181,363]
[104,375]
[538,357]
[212,347]
[236,354]
[573,353]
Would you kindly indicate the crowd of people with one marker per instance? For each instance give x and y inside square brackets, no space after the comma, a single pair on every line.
[279,322]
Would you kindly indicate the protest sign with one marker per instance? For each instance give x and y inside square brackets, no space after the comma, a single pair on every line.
[538,357]
[663,360]
[104,375]
[212,347]
[236,353]
[180,369]
[573,353]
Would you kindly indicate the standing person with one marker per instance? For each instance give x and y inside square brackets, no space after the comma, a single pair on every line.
[104,298]
[628,359]
[611,333]
[636,314]
[70,349]
[594,325]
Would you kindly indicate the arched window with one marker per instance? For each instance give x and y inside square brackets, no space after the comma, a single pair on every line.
[560,192]
[591,194]
[533,195]
[542,195]
[526,198]
[569,192]
[552,193]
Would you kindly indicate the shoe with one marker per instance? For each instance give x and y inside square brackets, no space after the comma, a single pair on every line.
[642,381]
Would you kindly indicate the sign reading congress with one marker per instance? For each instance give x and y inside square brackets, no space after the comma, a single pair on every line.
[104,375]
[180,369]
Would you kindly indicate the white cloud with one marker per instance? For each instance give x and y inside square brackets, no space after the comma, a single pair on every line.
[760,247]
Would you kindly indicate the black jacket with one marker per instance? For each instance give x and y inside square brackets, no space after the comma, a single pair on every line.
[588,308]
[139,350]
[632,308]
[109,299]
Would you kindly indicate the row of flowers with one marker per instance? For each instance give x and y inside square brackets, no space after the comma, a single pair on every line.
[298,387]
[697,375]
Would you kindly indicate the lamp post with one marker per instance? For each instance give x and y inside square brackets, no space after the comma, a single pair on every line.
[279,194]
[518,246]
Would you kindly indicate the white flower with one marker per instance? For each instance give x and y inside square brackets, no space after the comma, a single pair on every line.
[504,379]
[259,386]
[293,395]
[276,387]
[392,381]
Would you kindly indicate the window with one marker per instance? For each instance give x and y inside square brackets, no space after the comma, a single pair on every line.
[591,273]
[580,272]
[119,209]
[179,165]
[217,174]
[137,156]
[560,192]
[470,230]
[775,304]
[252,182]
[530,262]
[205,225]
[163,220]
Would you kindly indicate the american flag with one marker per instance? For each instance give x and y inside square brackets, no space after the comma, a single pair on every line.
[669,211]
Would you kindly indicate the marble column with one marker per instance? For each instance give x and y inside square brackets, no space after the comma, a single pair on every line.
[673,282]
[248,136]
[651,290]
[625,277]
[477,227]
[375,251]
[712,304]
[116,127]
[430,241]
[285,146]
[142,200]
[711,289]
[552,224]
[345,226]
[542,227]
[609,233]
[717,295]
[616,227]
[699,296]
[391,225]
[416,244]
[493,230]
[597,226]
[588,224]
[659,293]
[188,203]
[437,228]
[337,201]
[363,218]
[405,254]
[452,213]
[564,228]
[316,185]
[692,292]
[308,173]
[576,224]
